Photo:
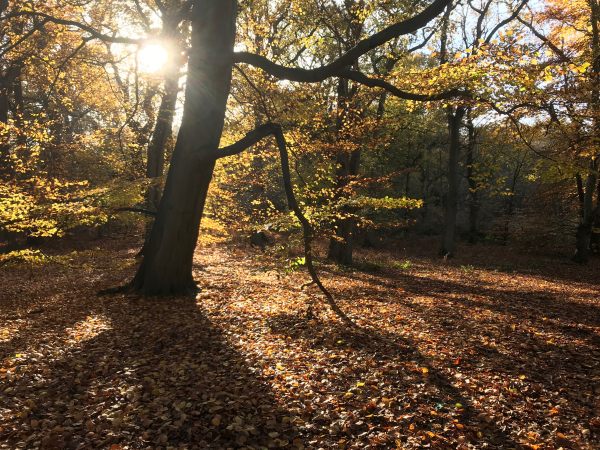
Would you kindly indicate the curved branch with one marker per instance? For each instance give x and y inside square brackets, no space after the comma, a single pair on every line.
[252,138]
[247,141]
[506,21]
[361,78]
[306,226]
[94,34]
[333,68]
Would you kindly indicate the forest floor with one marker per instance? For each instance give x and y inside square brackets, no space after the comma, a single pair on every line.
[492,349]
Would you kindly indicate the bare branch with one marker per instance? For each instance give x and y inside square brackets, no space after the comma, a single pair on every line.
[506,21]
[38,26]
[561,54]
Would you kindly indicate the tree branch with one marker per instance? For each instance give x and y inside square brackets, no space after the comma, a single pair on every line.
[361,78]
[275,130]
[506,21]
[333,68]
[247,141]
[95,34]
[561,54]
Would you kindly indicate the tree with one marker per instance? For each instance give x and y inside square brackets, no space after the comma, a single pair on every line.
[60,103]
[568,74]
[167,264]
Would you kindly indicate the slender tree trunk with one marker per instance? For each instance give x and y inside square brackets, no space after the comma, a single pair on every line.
[580,194]
[451,204]
[155,165]
[18,92]
[166,267]
[473,194]
[4,147]
[584,230]
[340,245]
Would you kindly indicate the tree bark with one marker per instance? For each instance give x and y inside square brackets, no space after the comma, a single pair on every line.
[155,165]
[166,267]
[584,230]
[340,245]
[473,194]
[4,147]
[455,116]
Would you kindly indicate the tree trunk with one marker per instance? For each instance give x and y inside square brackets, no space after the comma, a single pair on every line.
[166,267]
[584,230]
[155,165]
[451,204]
[340,245]
[4,147]
[473,194]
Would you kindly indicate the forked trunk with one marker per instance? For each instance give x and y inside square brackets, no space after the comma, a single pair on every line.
[166,267]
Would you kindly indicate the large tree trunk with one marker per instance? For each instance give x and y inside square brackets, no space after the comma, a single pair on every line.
[166,267]
[451,203]
[585,228]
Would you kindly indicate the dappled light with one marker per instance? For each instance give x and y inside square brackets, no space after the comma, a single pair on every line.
[447,355]
[300,224]
[87,329]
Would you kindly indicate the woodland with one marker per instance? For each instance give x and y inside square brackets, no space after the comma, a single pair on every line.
[316,224]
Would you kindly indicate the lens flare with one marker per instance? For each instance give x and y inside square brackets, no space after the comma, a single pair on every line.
[152,58]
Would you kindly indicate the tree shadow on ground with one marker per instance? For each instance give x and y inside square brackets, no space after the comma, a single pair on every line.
[540,345]
[525,303]
[440,406]
[137,372]
[499,258]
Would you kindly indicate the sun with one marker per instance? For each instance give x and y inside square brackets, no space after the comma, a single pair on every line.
[152,58]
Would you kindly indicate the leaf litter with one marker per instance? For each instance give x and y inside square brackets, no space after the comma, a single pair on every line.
[449,355]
